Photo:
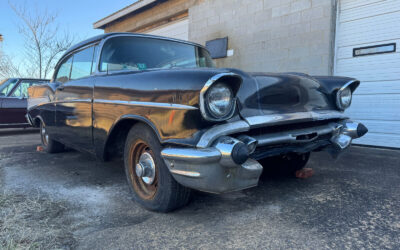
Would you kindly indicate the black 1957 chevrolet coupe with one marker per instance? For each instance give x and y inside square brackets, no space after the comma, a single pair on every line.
[182,124]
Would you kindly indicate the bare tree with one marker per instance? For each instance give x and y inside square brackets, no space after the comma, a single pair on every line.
[44,42]
[7,67]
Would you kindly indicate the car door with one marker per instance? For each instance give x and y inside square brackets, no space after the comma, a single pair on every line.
[74,100]
[7,116]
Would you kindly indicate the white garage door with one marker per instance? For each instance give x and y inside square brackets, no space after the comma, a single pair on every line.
[365,29]
[178,30]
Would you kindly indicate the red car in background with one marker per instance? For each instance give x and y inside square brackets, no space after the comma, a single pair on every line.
[13,101]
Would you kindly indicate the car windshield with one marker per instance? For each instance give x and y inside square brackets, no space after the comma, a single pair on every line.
[139,53]
[6,86]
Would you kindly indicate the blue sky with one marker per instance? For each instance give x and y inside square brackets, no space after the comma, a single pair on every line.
[76,16]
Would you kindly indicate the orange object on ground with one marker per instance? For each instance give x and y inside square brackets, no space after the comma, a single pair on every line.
[39,149]
[304,173]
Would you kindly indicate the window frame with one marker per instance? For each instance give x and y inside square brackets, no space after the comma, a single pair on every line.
[71,55]
[21,81]
[104,40]
[13,89]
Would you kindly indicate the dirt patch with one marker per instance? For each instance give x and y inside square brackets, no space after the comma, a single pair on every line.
[34,222]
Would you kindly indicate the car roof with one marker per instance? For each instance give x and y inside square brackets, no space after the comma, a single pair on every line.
[105,35]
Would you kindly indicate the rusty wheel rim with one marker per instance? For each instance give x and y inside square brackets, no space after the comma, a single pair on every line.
[143,171]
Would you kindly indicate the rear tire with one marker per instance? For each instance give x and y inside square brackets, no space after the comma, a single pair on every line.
[50,146]
[149,179]
[284,164]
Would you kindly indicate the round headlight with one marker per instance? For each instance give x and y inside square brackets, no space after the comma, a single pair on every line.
[344,98]
[220,100]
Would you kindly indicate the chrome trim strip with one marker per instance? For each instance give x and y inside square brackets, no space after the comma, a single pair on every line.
[13,124]
[279,119]
[191,174]
[191,155]
[225,129]
[291,136]
[203,91]
[147,104]
[87,100]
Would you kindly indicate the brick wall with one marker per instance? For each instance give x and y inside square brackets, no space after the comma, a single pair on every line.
[268,35]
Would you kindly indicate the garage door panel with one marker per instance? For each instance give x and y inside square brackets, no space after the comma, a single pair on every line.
[367,30]
[364,11]
[378,87]
[376,103]
[178,29]
[349,4]
[381,127]
[375,107]
[377,139]
[366,63]
[371,76]
[347,52]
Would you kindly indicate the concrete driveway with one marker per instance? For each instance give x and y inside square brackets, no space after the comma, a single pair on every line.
[70,200]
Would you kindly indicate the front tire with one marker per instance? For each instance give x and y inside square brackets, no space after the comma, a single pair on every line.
[49,145]
[149,179]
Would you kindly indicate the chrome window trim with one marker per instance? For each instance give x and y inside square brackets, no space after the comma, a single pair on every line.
[147,104]
[203,92]
[104,40]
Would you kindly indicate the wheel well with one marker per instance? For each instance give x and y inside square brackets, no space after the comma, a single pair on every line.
[36,122]
[116,140]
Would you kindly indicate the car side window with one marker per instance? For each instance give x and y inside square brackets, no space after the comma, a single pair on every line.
[64,71]
[22,89]
[82,63]
[10,85]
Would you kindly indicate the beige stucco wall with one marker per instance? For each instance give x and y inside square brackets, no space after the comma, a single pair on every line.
[266,35]
[269,35]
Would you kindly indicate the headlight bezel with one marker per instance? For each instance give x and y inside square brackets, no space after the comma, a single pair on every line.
[213,107]
[230,80]
[339,98]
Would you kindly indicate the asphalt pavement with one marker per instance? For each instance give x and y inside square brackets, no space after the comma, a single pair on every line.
[73,201]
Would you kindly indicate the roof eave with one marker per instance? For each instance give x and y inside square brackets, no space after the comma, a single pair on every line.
[135,7]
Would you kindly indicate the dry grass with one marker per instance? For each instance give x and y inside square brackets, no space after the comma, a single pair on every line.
[33,223]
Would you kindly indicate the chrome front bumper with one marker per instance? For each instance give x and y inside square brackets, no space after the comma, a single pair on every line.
[225,164]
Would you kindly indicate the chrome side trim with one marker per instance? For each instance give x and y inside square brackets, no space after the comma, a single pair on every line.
[192,155]
[279,119]
[191,174]
[225,129]
[147,104]
[88,100]
[291,136]
[13,124]
[203,91]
